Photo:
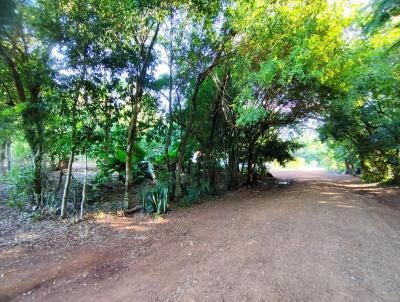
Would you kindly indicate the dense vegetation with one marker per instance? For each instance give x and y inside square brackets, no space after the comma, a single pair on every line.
[198,95]
[362,123]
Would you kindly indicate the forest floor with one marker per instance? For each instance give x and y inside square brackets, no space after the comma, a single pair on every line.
[325,237]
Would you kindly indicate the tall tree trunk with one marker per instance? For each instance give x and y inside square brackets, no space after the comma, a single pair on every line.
[132,131]
[35,140]
[71,158]
[170,121]
[179,168]
[170,129]
[200,79]
[37,164]
[233,167]
[169,139]
[83,201]
[348,167]
[60,176]
[167,145]
[129,151]
[67,185]
[249,163]
[211,165]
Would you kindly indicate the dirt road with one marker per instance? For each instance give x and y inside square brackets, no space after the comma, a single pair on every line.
[326,237]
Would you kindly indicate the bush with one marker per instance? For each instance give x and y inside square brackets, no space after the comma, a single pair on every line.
[22,186]
[22,195]
[196,192]
[155,199]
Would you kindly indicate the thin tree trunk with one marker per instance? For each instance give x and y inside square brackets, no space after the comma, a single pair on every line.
[216,110]
[170,126]
[170,122]
[37,164]
[168,141]
[233,167]
[61,167]
[8,155]
[363,167]
[250,164]
[67,185]
[2,157]
[83,201]
[129,150]
[167,145]
[70,162]
[179,169]
[73,139]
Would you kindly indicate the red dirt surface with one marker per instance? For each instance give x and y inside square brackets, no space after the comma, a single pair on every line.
[326,237]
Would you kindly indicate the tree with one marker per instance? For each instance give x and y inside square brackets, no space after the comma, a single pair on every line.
[362,118]
[25,58]
[207,46]
[282,78]
[145,33]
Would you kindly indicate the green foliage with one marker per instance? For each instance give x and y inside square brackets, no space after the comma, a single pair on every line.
[361,124]
[312,150]
[296,163]
[21,180]
[155,199]
[20,150]
[196,192]
[383,12]
[250,114]
[111,156]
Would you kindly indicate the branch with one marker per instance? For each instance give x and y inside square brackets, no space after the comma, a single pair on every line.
[15,74]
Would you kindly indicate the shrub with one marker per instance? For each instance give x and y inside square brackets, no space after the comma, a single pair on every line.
[155,199]
[196,192]
[114,162]
[22,196]
[21,180]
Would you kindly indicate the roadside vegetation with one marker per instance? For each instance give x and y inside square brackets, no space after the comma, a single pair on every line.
[129,105]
